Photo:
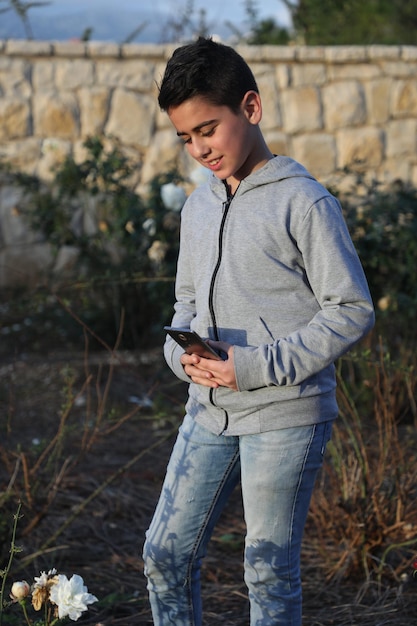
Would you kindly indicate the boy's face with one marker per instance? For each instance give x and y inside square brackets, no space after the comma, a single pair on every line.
[227,143]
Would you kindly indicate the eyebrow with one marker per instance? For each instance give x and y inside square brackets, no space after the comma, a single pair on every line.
[197,128]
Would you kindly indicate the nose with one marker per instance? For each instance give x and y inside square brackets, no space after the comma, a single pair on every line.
[199,148]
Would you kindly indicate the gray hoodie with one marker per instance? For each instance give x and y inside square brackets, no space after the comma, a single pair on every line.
[272,271]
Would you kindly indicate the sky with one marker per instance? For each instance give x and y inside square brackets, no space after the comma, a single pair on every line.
[115,20]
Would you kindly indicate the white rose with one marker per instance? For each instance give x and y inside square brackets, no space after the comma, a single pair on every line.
[71,596]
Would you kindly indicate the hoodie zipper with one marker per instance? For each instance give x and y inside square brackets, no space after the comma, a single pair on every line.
[225,208]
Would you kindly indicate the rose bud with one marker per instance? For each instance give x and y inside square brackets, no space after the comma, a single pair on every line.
[19,590]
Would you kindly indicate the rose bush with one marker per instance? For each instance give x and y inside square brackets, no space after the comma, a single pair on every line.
[59,596]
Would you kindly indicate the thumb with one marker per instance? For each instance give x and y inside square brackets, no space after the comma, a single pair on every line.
[221,346]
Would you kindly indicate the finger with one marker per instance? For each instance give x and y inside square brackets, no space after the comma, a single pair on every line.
[205,382]
[189,359]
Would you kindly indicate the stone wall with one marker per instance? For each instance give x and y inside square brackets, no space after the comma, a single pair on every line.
[332,108]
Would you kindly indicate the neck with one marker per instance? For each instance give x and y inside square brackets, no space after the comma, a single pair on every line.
[233,183]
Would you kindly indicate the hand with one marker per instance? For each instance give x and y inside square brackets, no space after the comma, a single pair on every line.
[209,372]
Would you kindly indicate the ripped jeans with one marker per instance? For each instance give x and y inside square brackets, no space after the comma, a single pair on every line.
[277,470]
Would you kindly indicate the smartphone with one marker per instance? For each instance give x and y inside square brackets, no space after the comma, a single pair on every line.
[192,342]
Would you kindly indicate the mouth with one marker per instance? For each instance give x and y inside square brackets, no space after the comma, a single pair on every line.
[213,164]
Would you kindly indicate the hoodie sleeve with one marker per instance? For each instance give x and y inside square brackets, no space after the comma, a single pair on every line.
[346,312]
[184,310]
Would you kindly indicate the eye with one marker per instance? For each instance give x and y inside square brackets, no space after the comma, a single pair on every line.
[209,133]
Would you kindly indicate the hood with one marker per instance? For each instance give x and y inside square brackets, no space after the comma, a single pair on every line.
[276,169]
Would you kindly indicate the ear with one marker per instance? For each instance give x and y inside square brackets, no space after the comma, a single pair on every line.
[252,107]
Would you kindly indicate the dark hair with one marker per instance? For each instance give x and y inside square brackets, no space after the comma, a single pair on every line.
[209,69]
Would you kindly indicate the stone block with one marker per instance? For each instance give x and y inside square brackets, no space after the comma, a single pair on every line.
[401,138]
[103,49]
[162,120]
[94,105]
[74,73]
[308,74]
[377,94]
[393,169]
[14,118]
[15,77]
[377,52]
[162,154]
[404,98]
[143,50]
[54,153]
[272,53]
[131,117]
[271,113]
[344,105]
[353,71]
[56,115]
[398,69]
[310,53]
[409,53]
[360,148]
[22,154]
[343,54]
[137,75]
[43,75]
[301,109]
[168,49]
[277,141]
[159,70]
[72,48]
[316,151]
[25,48]
[283,75]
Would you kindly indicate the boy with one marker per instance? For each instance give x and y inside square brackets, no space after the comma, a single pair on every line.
[268,273]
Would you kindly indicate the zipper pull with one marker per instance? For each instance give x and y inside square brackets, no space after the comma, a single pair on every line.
[229,197]
[228,200]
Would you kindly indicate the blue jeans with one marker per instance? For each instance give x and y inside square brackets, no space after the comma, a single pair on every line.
[277,471]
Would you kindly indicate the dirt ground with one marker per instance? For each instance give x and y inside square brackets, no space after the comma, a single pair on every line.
[86,512]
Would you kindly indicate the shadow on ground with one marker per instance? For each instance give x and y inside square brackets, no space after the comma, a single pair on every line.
[85,510]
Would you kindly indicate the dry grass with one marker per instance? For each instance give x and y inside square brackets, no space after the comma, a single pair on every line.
[86,459]
[364,513]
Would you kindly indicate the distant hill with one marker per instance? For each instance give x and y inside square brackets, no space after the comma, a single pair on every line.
[107,24]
